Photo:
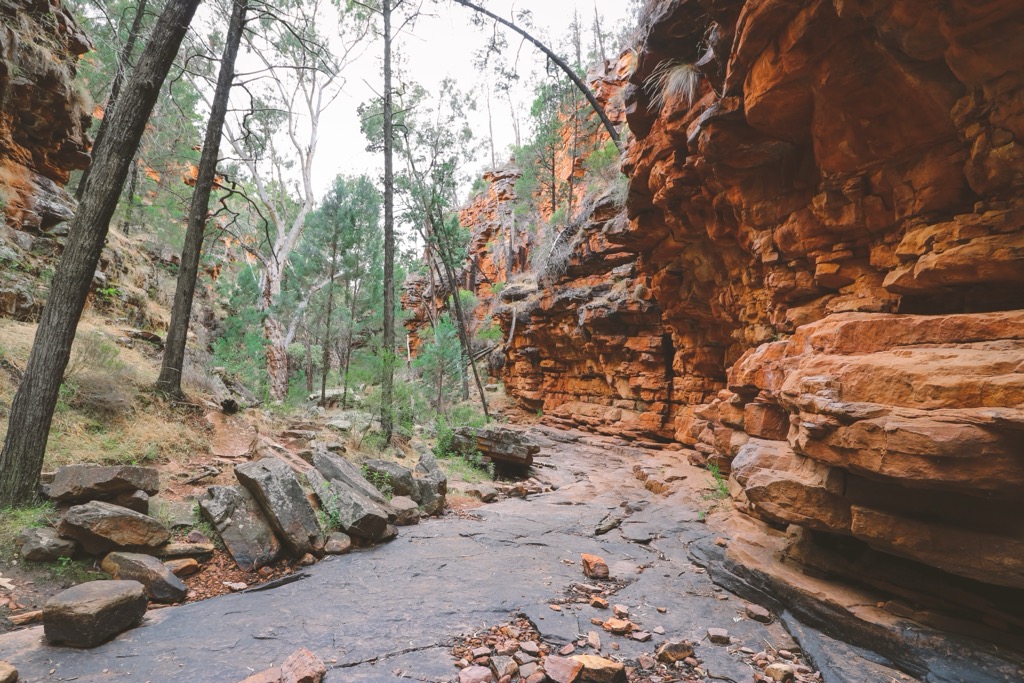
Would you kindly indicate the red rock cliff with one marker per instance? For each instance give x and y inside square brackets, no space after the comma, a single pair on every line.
[43,117]
[834,230]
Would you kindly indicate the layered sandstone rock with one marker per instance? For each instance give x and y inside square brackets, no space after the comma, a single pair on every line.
[834,231]
[43,116]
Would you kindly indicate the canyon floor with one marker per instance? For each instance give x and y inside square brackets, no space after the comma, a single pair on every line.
[394,612]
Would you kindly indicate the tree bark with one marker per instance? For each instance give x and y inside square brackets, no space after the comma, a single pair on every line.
[32,409]
[388,351]
[326,361]
[169,381]
[577,81]
[115,87]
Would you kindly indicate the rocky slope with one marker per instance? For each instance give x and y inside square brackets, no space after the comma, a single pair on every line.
[818,287]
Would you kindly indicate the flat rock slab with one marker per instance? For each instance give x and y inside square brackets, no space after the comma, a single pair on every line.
[159,580]
[277,490]
[100,527]
[91,613]
[372,612]
[44,545]
[79,483]
[246,533]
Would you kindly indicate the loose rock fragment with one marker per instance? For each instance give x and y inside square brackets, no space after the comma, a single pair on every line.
[600,670]
[674,651]
[595,567]
[562,670]
[44,545]
[719,636]
[758,613]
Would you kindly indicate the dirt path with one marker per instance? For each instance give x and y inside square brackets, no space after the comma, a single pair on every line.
[393,612]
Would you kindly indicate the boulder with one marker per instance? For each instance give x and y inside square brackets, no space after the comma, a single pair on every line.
[237,517]
[593,566]
[93,612]
[406,511]
[276,488]
[501,444]
[338,543]
[392,474]
[200,551]
[136,500]
[186,566]
[81,483]
[44,545]
[354,512]
[160,582]
[8,674]
[100,527]
[674,651]
[336,468]
[431,484]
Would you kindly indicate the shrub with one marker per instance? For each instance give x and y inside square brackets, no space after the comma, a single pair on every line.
[97,380]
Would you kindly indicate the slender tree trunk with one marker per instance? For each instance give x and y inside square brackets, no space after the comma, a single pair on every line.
[169,381]
[133,183]
[326,361]
[115,87]
[32,409]
[309,362]
[490,128]
[348,347]
[388,379]
[558,61]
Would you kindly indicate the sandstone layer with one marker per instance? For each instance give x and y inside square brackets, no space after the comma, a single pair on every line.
[834,230]
[818,286]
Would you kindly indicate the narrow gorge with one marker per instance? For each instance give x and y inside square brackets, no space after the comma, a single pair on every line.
[815,286]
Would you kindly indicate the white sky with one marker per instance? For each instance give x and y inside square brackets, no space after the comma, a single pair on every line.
[443,45]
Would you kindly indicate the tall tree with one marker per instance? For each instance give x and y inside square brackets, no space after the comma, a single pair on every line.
[32,409]
[181,311]
[387,412]
[301,79]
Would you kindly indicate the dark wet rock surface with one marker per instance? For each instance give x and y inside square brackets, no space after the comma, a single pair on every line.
[393,612]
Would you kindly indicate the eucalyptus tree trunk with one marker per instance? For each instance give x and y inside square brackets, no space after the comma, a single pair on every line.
[388,352]
[169,381]
[32,409]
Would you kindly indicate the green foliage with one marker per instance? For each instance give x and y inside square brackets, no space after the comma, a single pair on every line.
[721,486]
[440,362]
[241,347]
[469,463]
[380,482]
[15,520]
[491,333]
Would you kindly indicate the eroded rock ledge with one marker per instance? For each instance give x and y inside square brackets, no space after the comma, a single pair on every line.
[819,287]
[834,230]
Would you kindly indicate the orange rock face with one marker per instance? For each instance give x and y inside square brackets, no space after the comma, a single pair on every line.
[43,118]
[834,232]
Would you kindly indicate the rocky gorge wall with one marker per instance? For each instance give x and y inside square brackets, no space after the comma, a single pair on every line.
[43,123]
[834,232]
[817,286]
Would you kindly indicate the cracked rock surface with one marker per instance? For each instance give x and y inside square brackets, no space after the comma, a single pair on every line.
[392,612]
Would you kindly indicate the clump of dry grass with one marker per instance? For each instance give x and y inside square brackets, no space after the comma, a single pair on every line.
[672,80]
[97,379]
